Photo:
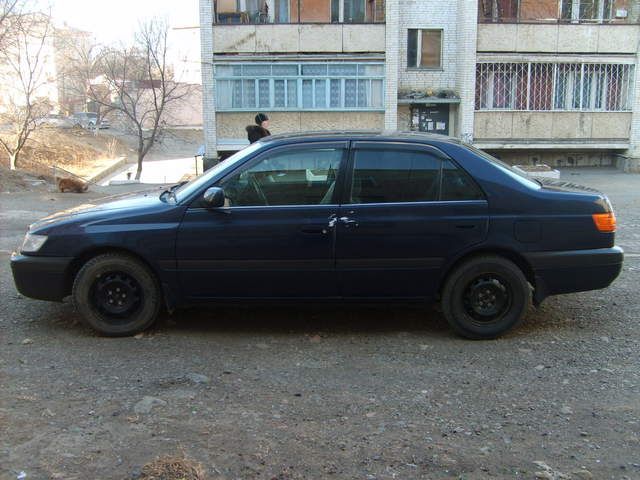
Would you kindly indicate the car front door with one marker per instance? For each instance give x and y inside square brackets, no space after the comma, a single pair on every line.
[275,236]
[407,209]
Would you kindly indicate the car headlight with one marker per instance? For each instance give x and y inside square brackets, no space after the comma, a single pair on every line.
[32,243]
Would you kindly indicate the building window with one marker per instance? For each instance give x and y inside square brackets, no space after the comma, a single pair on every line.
[554,86]
[575,11]
[587,10]
[299,11]
[498,10]
[299,86]
[424,48]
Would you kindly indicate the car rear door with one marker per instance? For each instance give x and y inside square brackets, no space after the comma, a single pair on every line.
[406,209]
[275,237]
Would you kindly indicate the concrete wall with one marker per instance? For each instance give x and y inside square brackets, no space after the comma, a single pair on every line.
[552,125]
[579,38]
[186,112]
[558,158]
[232,125]
[343,38]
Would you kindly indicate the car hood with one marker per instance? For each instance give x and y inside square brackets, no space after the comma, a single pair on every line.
[128,201]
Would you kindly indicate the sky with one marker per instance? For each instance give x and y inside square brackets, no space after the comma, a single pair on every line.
[112,21]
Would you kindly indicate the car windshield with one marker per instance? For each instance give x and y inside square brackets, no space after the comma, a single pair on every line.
[505,167]
[189,188]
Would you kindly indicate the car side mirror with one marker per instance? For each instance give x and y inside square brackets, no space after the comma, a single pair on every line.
[214,197]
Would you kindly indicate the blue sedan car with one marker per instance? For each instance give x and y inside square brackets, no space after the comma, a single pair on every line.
[330,217]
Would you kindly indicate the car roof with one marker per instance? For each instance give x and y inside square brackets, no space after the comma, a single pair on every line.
[363,135]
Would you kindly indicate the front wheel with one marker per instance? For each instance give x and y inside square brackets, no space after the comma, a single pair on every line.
[116,294]
[485,297]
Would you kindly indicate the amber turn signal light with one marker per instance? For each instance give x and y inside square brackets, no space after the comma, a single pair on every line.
[605,222]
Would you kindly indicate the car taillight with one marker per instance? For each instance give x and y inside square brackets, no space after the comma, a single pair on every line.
[605,222]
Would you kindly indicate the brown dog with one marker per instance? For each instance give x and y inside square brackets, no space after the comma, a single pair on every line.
[72,185]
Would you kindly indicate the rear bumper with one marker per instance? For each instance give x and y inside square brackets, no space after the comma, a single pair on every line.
[574,271]
[42,278]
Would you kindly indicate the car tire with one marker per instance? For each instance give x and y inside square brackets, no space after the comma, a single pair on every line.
[117,295]
[485,297]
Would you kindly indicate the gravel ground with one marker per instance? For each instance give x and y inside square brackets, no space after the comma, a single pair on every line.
[325,392]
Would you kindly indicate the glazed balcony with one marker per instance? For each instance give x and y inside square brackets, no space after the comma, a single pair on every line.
[559,11]
[260,12]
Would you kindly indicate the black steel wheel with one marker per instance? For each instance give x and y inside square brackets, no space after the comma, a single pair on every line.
[116,294]
[485,297]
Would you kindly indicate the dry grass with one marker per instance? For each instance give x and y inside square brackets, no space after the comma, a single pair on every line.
[172,468]
[76,150]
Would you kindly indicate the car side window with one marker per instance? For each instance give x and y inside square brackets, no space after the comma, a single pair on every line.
[304,176]
[457,184]
[394,175]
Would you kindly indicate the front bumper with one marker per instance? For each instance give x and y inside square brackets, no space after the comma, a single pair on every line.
[575,270]
[42,278]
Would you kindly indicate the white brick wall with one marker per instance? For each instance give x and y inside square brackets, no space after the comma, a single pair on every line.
[458,22]
[392,65]
[633,163]
[428,14]
[208,84]
[467,34]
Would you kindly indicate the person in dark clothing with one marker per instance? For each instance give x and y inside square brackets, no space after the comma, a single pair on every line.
[259,130]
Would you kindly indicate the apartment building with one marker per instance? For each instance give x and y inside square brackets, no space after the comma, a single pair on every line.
[549,81]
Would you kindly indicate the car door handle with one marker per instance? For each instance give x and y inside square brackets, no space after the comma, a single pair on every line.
[466,226]
[348,222]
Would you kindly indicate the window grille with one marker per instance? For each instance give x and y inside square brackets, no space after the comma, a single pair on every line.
[554,86]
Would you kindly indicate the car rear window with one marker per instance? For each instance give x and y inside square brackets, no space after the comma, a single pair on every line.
[505,167]
[457,184]
[391,175]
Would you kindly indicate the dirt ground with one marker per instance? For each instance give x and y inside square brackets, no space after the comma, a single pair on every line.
[345,392]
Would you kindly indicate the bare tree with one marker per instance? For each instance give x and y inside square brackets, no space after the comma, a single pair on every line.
[139,85]
[10,11]
[23,76]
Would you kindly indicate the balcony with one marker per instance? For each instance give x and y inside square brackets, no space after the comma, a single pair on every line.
[548,130]
[293,39]
[557,11]
[558,26]
[259,12]
[571,105]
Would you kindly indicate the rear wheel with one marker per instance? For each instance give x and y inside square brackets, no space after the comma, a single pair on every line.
[116,294]
[485,297]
